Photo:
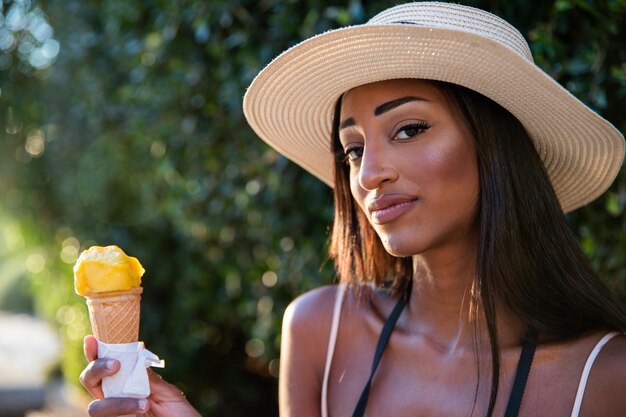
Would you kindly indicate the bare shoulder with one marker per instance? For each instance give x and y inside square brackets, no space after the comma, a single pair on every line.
[610,365]
[604,395]
[311,311]
[306,325]
[306,328]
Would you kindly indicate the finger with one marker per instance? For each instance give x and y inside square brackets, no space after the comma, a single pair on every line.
[91,377]
[112,407]
[161,389]
[153,376]
[90,347]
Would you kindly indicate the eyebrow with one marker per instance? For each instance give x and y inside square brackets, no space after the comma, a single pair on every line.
[383,108]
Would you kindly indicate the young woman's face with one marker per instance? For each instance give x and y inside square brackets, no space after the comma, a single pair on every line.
[413,168]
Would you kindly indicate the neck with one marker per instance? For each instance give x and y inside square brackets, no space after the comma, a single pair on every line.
[440,300]
[440,308]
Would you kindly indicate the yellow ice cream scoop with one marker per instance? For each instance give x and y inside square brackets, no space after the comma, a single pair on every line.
[102,269]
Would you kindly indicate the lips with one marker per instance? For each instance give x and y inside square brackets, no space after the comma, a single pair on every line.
[389,207]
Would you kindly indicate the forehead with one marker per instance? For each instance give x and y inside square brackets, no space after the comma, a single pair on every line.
[372,94]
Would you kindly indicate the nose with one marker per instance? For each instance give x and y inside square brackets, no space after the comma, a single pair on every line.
[376,167]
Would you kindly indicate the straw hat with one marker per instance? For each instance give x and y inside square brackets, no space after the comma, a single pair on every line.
[290,103]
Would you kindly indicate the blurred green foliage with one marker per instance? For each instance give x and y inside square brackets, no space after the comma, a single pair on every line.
[121,123]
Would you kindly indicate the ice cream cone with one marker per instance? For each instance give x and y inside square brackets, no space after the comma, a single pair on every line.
[114,315]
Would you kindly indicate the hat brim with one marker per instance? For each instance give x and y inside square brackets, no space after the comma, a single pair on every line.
[290,104]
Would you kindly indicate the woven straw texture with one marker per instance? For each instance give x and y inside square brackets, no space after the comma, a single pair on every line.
[115,315]
[290,103]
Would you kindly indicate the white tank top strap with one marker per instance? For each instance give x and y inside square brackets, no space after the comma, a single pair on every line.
[587,369]
[332,341]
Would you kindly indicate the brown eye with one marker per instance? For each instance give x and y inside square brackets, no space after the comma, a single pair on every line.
[353,153]
[411,130]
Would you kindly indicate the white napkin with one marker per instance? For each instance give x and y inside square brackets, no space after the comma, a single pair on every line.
[132,379]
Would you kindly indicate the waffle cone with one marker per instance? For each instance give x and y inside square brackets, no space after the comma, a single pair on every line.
[114,315]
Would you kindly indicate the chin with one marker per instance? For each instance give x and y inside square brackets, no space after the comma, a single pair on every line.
[398,247]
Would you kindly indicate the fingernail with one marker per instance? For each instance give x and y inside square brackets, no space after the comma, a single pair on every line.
[109,364]
[143,403]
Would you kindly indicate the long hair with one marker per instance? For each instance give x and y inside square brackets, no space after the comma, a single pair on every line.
[528,260]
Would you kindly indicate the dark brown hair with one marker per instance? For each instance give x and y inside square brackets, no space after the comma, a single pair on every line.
[528,260]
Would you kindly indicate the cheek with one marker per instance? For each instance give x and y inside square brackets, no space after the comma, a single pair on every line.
[454,166]
[450,183]
[358,193]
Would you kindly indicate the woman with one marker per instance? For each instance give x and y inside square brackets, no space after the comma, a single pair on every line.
[463,291]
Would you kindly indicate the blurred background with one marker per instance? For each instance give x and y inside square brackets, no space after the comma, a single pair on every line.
[121,123]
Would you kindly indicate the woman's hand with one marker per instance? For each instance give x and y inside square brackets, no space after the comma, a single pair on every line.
[165,399]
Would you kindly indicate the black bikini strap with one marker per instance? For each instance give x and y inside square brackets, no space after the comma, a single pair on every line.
[385,334]
[521,376]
